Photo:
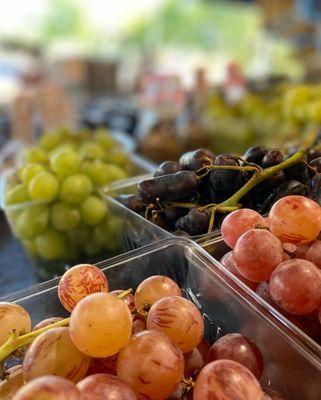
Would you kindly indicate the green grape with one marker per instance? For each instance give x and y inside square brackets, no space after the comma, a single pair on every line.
[64,217]
[100,172]
[91,150]
[30,247]
[65,163]
[80,236]
[113,225]
[92,248]
[116,173]
[35,155]
[17,194]
[117,157]
[71,252]
[51,245]
[102,137]
[49,141]
[112,243]
[93,210]
[32,221]
[64,148]
[99,235]
[75,188]
[29,171]
[43,186]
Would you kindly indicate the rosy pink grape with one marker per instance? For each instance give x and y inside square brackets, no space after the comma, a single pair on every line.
[256,254]
[295,286]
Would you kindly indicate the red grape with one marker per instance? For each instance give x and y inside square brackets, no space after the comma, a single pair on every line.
[238,348]
[179,319]
[263,291]
[295,286]
[270,394]
[103,365]
[313,253]
[106,387]
[195,360]
[151,364]
[295,219]
[319,314]
[239,222]
[128,300]
[229,263]
[256,254]
[154,288]
[80,281]
[226,380]
[139,325]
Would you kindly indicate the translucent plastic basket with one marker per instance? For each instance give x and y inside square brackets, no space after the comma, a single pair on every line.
[292,360]
[130,186]
[49,269]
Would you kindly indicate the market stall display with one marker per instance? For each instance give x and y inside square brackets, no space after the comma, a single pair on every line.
[177,271]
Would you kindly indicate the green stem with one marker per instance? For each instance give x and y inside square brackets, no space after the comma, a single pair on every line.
[15,342]
[259,177]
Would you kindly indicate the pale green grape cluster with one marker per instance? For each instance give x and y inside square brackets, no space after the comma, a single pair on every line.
[58,213]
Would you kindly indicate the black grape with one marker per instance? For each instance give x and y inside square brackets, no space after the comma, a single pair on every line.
[272,157]
[255,154]
[287,188]
[316,164]
[196,222]
[174,187]
[312,154]
[167,167]
[298,172]
[195,160]
[316,188]
[173,214]
[224,182]
[132,201]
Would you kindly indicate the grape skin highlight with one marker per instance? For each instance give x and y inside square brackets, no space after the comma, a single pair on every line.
[80,281]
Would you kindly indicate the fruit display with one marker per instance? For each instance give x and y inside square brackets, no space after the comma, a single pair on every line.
[123,344]
[279,257]
[192,196]
[53,200]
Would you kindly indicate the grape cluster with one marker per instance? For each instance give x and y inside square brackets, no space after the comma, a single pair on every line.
[53,202]
[180,196]
[280,257]
[119,345]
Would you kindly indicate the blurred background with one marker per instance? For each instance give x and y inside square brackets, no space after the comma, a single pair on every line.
[129,65]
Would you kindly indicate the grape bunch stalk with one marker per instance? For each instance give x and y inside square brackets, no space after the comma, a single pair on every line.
[190,196]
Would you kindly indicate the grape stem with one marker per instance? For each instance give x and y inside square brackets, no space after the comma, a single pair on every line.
[15,341]
[232,203]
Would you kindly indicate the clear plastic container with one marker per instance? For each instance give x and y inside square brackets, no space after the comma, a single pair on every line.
[110,239]
[292,360]
[129,186]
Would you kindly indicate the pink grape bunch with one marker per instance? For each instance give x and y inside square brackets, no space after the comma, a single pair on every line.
[279,256]
[147,345]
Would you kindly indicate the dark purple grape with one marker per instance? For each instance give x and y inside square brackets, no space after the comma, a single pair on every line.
[312,154]
[316,164]
[167,167]
[174,187]
[272,157]
[316,188]
[263,191]
[288,188]
[160,220]
[132,201]
[298,172]
[195,160]
[174,213]
[255,154]
[195,222]
[224,182]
